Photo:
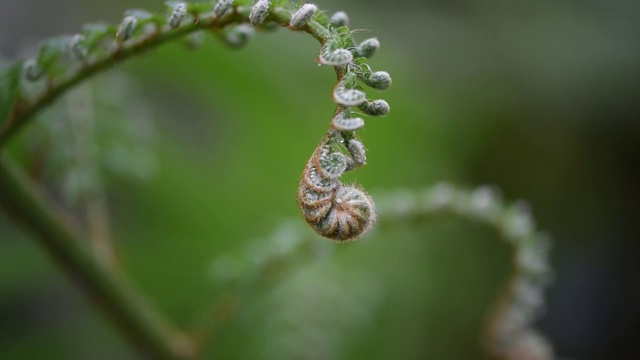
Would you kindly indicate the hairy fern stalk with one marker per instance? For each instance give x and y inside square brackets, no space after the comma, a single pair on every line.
[334,210]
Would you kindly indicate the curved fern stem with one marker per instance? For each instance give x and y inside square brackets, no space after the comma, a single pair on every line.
[509,333]
[23,110]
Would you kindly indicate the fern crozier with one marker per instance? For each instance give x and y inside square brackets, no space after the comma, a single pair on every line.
[342,122]
[222,7]
[77,50]
[259,12]
[301,17]
[127,27]
[177,15]
[368,48]
[339,19]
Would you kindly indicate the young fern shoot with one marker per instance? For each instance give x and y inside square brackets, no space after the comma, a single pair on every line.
[334,210]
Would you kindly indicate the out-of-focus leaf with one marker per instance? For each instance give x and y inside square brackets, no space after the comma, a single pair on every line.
[199,8]
[322,18]
[138,14]
[144,16]
[94,33]
[279,3]
[171,4]
[9,81]
[51,49]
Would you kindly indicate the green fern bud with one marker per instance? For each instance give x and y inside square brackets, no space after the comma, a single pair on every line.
[77,50]
[221,7]
[380,80]
[259,12]
[518,223]
[338,57]
[334,52]
[375,107]
[127,27]
[349,97]
[485,202]
[332,165]
[441,196]
[339,19]
[356,148]
[368,48]
[177,15]
[239,36]
[342,122]
[346,95]
[301,17]
[32,71]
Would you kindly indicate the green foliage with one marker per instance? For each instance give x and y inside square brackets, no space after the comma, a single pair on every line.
[95,33]
[321,18]
[50,52]
[9,86]
[243,2]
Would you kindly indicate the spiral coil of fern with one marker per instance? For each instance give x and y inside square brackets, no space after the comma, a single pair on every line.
[334,210]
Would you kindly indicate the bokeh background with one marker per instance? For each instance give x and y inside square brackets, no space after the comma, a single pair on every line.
[539,99]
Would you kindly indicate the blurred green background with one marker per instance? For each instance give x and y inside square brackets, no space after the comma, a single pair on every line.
[539,99]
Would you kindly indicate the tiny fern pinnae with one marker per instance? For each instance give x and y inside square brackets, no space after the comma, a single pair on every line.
[259,12]
[342,122]
[302,16]
[221,7]
[178,14]
[339,19]
[77,50]
[127,27]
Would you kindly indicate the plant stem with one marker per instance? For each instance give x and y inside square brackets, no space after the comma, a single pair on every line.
[23,110]
[146,329]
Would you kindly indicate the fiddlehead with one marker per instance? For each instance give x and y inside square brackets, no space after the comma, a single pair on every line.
[334,210]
